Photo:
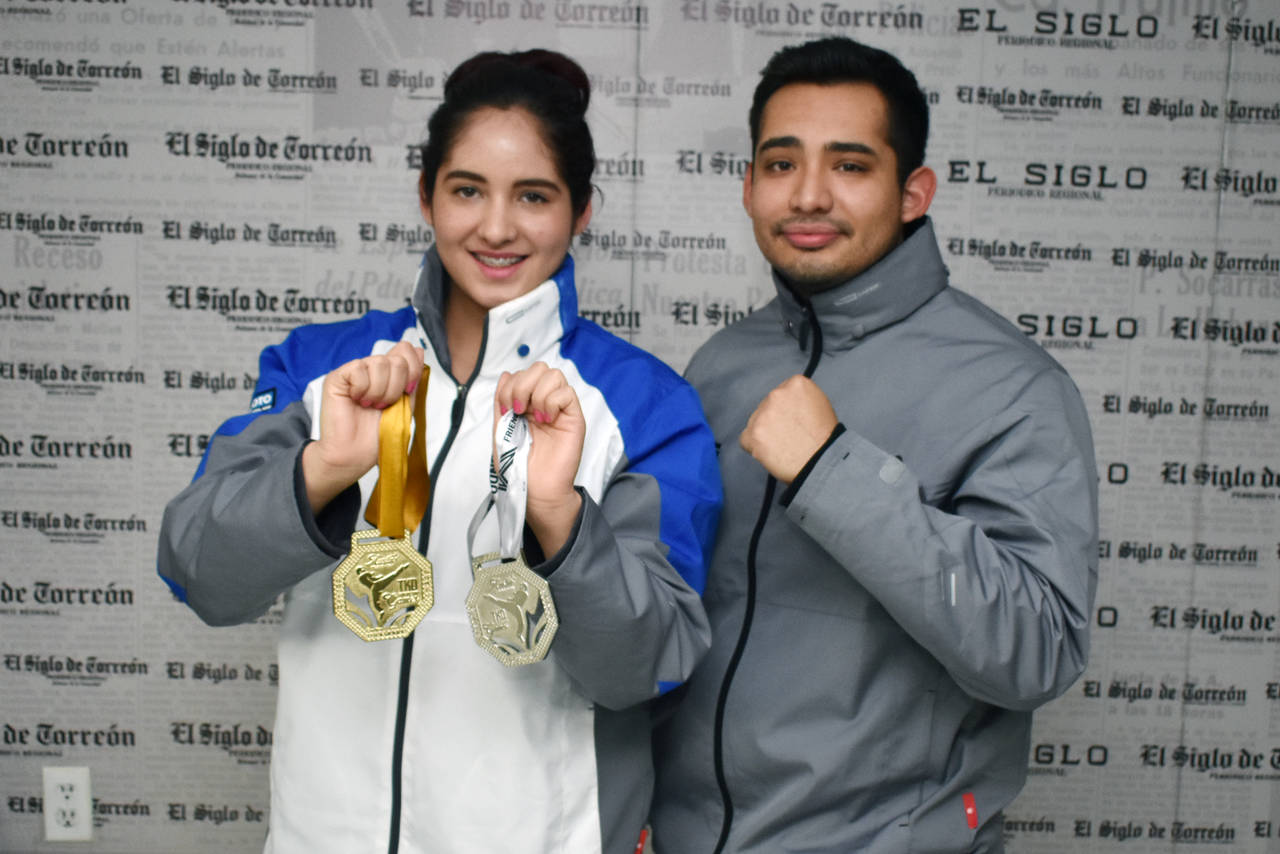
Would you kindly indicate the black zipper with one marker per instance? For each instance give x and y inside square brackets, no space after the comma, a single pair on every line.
[748,613]
[406,650]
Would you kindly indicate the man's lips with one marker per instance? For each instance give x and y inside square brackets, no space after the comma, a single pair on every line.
[810,239]
[810,235]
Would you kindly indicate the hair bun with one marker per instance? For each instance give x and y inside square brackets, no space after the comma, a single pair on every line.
[545,62]
[558,65]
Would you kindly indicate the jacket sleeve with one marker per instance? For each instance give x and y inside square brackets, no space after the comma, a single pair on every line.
[242,532]
[628,584]
[996,578]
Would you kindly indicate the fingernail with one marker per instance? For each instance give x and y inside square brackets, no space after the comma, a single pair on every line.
[366,403]
[502,410]
[411,387]
[540,417]
[518,407]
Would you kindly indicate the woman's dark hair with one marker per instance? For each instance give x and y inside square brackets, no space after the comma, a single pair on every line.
[550,86]
[843,60]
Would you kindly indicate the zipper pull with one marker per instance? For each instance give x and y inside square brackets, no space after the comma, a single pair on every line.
[459,405]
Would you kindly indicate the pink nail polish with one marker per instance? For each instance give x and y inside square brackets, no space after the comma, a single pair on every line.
[540,417]
[518,407]
[366,403]
[502,410]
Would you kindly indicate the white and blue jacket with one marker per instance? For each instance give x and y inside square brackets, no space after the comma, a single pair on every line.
[429,744]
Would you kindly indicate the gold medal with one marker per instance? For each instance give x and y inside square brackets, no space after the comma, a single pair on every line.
[512,614]
[382,589]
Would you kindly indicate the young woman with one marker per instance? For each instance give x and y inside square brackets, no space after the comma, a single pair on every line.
[430,744]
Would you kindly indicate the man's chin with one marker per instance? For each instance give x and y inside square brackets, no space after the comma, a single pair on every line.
[809,281]
[808,273]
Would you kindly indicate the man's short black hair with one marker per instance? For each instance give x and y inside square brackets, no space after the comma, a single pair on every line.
[843,60]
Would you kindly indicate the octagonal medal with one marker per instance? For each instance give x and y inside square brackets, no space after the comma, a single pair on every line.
[512,614]
[382,589]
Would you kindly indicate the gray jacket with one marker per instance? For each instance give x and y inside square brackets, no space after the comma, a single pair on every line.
[883,627]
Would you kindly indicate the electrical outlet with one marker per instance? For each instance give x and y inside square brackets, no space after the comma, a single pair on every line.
[68,812]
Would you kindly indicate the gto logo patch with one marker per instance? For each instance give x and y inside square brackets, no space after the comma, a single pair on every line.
[263,401]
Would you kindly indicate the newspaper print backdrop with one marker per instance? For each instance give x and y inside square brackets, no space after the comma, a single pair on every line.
[184,182]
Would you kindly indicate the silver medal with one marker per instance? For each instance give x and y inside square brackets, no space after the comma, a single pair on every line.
[513,616]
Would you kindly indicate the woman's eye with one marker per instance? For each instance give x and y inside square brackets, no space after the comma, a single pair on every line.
[467,192]
[533,198]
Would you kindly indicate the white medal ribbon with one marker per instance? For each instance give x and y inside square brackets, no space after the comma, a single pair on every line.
[510,483]
[508,487]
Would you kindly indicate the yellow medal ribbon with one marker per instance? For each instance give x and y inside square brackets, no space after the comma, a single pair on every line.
[400,496]
[383,588]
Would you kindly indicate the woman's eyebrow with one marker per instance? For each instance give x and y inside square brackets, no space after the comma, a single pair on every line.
[466,176]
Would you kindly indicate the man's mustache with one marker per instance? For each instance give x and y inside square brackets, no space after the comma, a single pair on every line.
[798,223]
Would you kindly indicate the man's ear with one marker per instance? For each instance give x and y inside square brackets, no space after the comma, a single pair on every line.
[917,193]
[746,188]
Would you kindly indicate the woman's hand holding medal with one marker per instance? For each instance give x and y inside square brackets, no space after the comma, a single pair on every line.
[557,428]
[353,398]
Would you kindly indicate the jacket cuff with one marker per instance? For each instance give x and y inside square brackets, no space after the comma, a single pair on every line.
[791,490]
[331,530]
[852,475]
[533,555]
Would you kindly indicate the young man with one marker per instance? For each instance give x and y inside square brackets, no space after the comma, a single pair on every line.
[907,558]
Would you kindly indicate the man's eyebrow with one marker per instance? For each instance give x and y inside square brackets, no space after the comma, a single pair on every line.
[780,142]
[837,147]
[850,148]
